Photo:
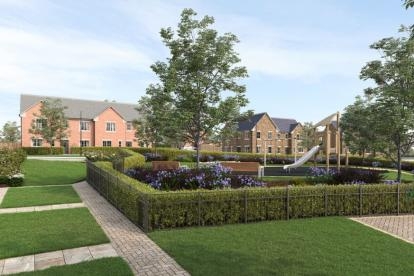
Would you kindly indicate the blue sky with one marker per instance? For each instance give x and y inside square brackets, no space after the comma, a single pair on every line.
[303,57]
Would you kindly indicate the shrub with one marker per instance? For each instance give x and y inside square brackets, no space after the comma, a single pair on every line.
[357,176]
[11,161]
[43,150]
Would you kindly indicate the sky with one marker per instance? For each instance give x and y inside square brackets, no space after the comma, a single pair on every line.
[303,57]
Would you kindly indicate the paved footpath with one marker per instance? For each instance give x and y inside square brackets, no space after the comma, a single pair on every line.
[41,208]
[55,258]
[401,227]
[3,193]
[144,256]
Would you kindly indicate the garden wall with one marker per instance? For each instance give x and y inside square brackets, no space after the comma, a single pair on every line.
[151,209]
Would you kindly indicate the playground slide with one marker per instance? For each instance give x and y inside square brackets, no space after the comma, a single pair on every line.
[303,159]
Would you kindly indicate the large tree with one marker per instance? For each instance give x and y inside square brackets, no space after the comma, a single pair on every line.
[198,82]
[409,3]
[51,123]
[307,135]
[393,93]
[10,132]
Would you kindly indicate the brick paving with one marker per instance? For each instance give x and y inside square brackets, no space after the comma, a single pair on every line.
[144,256]
[56,258]
[41,208]
[401,227]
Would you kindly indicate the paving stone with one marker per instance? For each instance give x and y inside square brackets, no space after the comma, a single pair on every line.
[1,266]
[7,210]
[25,209]
[18,264]
[102,251]
[43,208]
[45,260]
[77,255]
[144,256]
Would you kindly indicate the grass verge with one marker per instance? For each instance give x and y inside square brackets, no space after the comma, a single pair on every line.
[321,246]
[106,266]
[37,232]
[41,172]
[36,196]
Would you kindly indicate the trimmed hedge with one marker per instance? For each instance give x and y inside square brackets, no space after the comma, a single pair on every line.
[43,150]
[133,160]
[158,210]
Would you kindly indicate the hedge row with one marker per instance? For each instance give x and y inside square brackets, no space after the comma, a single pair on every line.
[157,210]
[43,150]
[10,166]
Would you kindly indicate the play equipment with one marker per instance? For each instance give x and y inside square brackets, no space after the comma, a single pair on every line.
[303,159]
[324,138]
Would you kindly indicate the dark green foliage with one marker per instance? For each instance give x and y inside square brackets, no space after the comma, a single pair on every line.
[43,150]
[157,210]
[10,166]
[106,266]
[322,246]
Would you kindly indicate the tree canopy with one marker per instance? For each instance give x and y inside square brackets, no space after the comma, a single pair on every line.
[198,89]
[10,132]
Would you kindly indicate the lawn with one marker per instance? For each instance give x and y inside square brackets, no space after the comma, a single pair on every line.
[405,176]
[321,246]
[37,232]
[41,172]
[35,196]
[107,266]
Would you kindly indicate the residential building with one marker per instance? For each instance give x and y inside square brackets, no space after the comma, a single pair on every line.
[90,123]
[260,133]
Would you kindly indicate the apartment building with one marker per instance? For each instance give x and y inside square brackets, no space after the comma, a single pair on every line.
[261,133]
[90,123]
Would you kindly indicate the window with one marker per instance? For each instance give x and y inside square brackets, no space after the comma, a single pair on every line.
[300,150]
[110,126]
[40,123]
[128,144]
[278,149]
[107,143]
[269,135]
[84,143]
[238,149]
[84,126]
[286,135]
[246,148]
[278,136]
[257,149]
[258,135]
[269,149]
[37,142]
[119,143]
[297,136]
[129,125]
[246,135]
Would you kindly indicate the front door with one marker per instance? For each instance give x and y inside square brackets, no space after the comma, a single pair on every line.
[65,145]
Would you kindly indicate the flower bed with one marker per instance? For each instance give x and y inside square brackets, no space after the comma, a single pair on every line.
[211,177]
[345,176]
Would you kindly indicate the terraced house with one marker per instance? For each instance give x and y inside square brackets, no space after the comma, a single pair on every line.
[260,133]
[90,123]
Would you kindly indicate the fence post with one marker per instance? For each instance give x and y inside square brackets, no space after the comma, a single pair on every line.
[287,203]
[245,206]
[199,208]
[360,200]
[326,202]
[145,216]
[398,199]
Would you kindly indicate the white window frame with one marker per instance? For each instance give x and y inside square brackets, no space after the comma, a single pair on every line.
[258,133]
[126,144]
[129,126]
[258,149]
[110,127]
[87,144]
[87,125]
[105,143]
[37,142]
[39,123]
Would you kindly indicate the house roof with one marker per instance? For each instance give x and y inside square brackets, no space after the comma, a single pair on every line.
[90,109]
[250,123]
[285,125]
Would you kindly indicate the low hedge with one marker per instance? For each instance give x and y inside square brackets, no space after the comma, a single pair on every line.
[43,150]
[133,160]
[158,210]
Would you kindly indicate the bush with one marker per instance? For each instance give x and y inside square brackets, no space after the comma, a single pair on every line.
[11,161]
[345,176]
[43,150]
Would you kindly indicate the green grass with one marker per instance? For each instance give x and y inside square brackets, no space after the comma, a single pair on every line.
[41,172]
[405,176]
[36,196]
[322,246]
[35,232]
[106,266]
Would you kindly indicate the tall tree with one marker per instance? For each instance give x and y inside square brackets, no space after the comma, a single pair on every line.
[10,132]
[307,137]
[199,80]
[51,124]
[408,4]
[393,95]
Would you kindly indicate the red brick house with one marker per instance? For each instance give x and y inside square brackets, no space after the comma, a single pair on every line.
[260,133]
[91,123]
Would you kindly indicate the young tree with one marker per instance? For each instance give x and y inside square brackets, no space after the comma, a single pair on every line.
[51,124]
[307,135]
[10,132]
[198,82]
[393,95]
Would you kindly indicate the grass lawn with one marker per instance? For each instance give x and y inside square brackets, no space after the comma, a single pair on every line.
[35,232]
[107,266]
[35,196]
[405,176]
[321,246]
[41,172]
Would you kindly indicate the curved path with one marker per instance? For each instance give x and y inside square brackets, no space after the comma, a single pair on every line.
[144,256]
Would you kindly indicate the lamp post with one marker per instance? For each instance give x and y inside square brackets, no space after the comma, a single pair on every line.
[80,133]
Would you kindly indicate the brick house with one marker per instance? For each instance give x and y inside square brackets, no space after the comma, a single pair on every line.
[261,133]
[90,123]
